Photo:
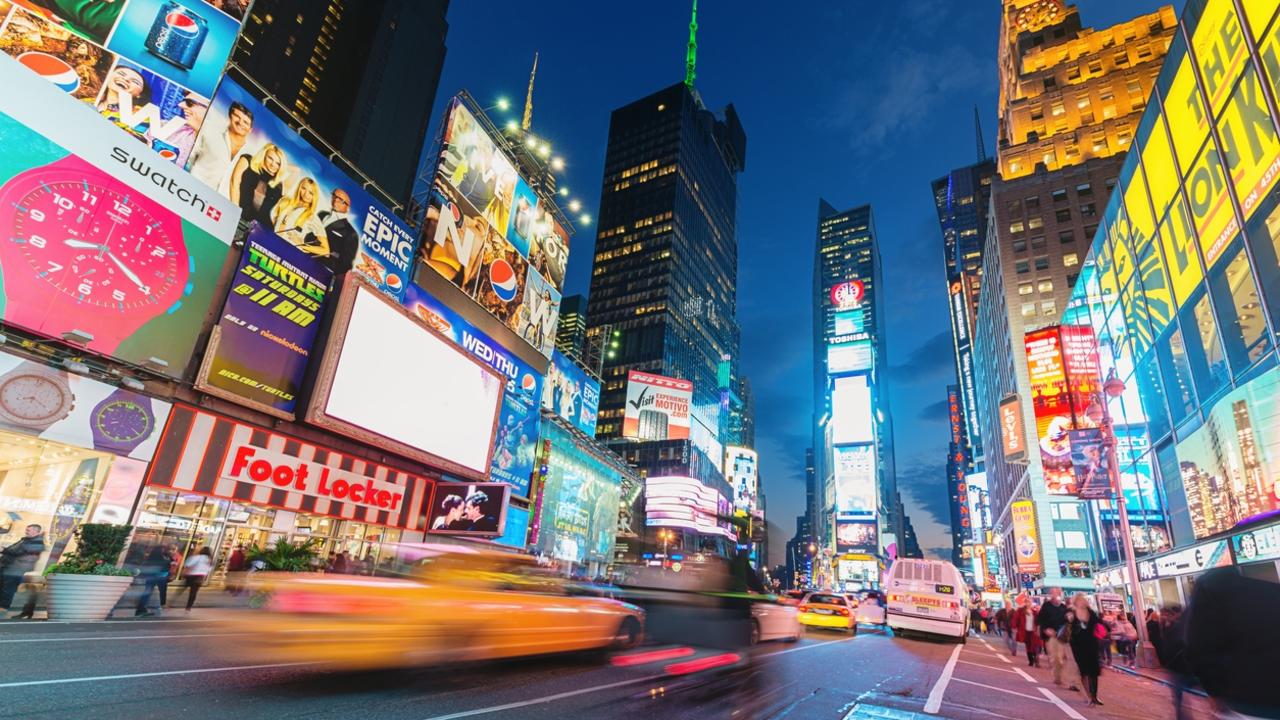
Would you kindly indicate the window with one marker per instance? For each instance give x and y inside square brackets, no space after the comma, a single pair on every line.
[1151,392]
[1016,226]
[1042,262]
[1049,308]
[1037,242]
[1088,210]
[1084,190]
[1022,266]
[1244,330]
[1035,222]
[1057,108]
[1070,259]
[1067,236]
[1264,239]
[1134,87]
[1068,511]
[1059,195]
[1037,113]
[1070,539]
[1071,279]
[1203,347]
[1063,215]
[1045,286]
[1028,309]
[1033,202]
[1026,289]
[1095,67]
[1020,245]
[1050,84]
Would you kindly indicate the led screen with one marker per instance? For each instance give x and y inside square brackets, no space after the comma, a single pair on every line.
[849,357]
[682,502]
[851,411]
[468,509]
[855,480]
[741,469]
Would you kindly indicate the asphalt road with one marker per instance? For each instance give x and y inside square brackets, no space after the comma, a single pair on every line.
[160,668]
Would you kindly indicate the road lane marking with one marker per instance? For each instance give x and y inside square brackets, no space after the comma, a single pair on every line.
[1025,676]
[939,688]
[1071,713]
[60,681]
[1003,690]
[119,637]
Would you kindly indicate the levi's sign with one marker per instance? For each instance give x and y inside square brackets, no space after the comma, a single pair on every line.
[285,472]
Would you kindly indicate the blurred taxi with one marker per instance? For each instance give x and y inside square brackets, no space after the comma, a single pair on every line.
[828,610]
[453,604]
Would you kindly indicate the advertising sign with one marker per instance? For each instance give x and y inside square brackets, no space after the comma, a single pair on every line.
[391,381]
[854,356]
[742,470]
[855,480]
[1012,434]
[848,294]
[851,411]
[570,393]
[120,249]
[683,502]
[579,507]
[1090,463]
[979,502]
[1257,545]
[284,184]
[1051,403]
[517,437]
[53,404]
[657,407]
[515,532]
[217,456]
[468,509]
[1194,559]
[854,536]
[259,350]
[1026,539]
[489,233]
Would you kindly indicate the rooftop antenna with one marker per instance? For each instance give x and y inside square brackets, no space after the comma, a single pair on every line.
[691,58]
[977,126]
[527,120]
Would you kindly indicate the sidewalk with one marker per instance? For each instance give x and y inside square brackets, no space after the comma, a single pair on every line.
[210,597]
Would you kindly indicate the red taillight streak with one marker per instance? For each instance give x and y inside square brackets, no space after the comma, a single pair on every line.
[651,656]
[706,663]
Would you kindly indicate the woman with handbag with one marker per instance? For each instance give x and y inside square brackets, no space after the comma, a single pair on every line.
[1084,633]
[196,570]
[1025,630]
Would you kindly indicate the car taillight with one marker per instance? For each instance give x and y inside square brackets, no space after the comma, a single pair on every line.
[804,608]
[842,611]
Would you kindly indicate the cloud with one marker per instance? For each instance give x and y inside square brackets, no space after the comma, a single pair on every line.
[931,358]
[926,485]
[938,553]
[934,412]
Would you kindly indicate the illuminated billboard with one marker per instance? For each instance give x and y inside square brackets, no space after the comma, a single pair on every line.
[854,356]
[657,407]
[852,418]
[491,234]
[572,394]
[392,382]
[979,502]
[855,480]
[742,470]
[580,499]
[1026,538]
[1013,435]
[101,242]
[848,294]
[857,536]
[1051,403]
[471,509]
[683,502]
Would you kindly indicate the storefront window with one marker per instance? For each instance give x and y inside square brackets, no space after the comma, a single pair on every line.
[1203,347]
[1176,371]
[1151,392]
[183,521]
[1244,330]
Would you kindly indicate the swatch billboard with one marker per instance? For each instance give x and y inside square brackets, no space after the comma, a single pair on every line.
[104,245]
[516,442]
[490,234]
[259,351]
[278,180]
[571,394]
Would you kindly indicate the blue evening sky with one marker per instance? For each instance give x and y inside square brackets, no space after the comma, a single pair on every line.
[854,101]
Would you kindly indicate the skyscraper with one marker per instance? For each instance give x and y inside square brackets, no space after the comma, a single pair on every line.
[1070,100]
[362,76]
[572,330]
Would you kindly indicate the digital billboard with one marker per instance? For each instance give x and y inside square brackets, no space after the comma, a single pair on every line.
[391,381]
[101,241]
[1026,538]
[683,502]
[857,535]
[1051,403]
[1013,436]
[851,411]
[475,509]
[853,356]
[657,407]
[489,233]
[515,444]
[978,499]
[855,480]
[515,532]
[260,348]
[742,470]
[277,179]
[847,294]
[1090,463]
[572,394]
[579,506]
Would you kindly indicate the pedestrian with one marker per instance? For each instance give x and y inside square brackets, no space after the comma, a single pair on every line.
[341,564]
[236,564]
[1084,631]
[1154,636]
[1010,631]
[17,560]
[328,565]
[1025,630]
[1231,644]
[196,570]
[155,571]
[1126,638]
[1050,619]
[1104,644]
[975,620]
[1173,655]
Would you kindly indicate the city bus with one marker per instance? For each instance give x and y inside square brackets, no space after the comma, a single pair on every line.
[926,596]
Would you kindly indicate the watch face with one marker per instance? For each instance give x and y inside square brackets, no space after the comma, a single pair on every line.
[97,245]
[33,398]
[122,421]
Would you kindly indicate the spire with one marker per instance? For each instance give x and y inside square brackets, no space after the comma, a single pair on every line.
[528,97]
[977,126]
[691,58]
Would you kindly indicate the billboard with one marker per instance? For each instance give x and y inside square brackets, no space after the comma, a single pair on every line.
[489,233]
[572,394]
[853,356]
[476,509]
[742,470]
[856,535]
[683,502]
[515,531]
[1013,436]
[1026,539]
[99,240]
[855,480]
[657,407]
[259,351]
[390,380]
[1257,545]
[279,180]
[1051,404]
[147,66]
[1090,464]
[848,294]
[851,411]
[979,501]
[579,508]
[516,442]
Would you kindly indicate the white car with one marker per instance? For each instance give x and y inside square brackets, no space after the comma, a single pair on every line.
[774,621]
[871,608]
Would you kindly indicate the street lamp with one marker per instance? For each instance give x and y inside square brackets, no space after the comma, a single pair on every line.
[1099,413]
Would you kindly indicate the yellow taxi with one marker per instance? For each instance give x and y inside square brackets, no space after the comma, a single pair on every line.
[828,610]
[453,604]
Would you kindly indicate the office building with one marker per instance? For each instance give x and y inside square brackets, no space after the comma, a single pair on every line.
[1070,99]
[362,76]
[571,333]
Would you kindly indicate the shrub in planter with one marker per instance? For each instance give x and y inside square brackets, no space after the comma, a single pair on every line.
[87,584]
[98,547]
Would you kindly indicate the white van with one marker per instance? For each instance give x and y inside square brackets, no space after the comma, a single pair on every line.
[926,596]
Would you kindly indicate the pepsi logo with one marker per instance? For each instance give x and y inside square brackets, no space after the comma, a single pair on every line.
[182,22]
[503,279]
[527,382]
[168,154]
[54,69]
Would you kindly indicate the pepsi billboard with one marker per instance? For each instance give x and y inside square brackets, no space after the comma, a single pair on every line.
[489,233]
[516,441]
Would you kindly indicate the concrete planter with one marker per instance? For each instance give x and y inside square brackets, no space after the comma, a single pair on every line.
[84,597]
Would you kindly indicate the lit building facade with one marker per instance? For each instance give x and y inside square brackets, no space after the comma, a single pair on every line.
[571,332]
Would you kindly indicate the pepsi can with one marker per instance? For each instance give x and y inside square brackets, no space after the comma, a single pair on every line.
[177,34]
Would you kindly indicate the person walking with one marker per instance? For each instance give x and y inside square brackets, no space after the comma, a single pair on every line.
[196,570]
[1050,620]
[17,560]
[1231,644]
[1154,636]
[1104,644]
[1084,631]
[155,571]
[1024,630]
[236,565]
[1126,636]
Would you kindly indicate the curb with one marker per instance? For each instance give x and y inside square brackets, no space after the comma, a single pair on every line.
[1162,681]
